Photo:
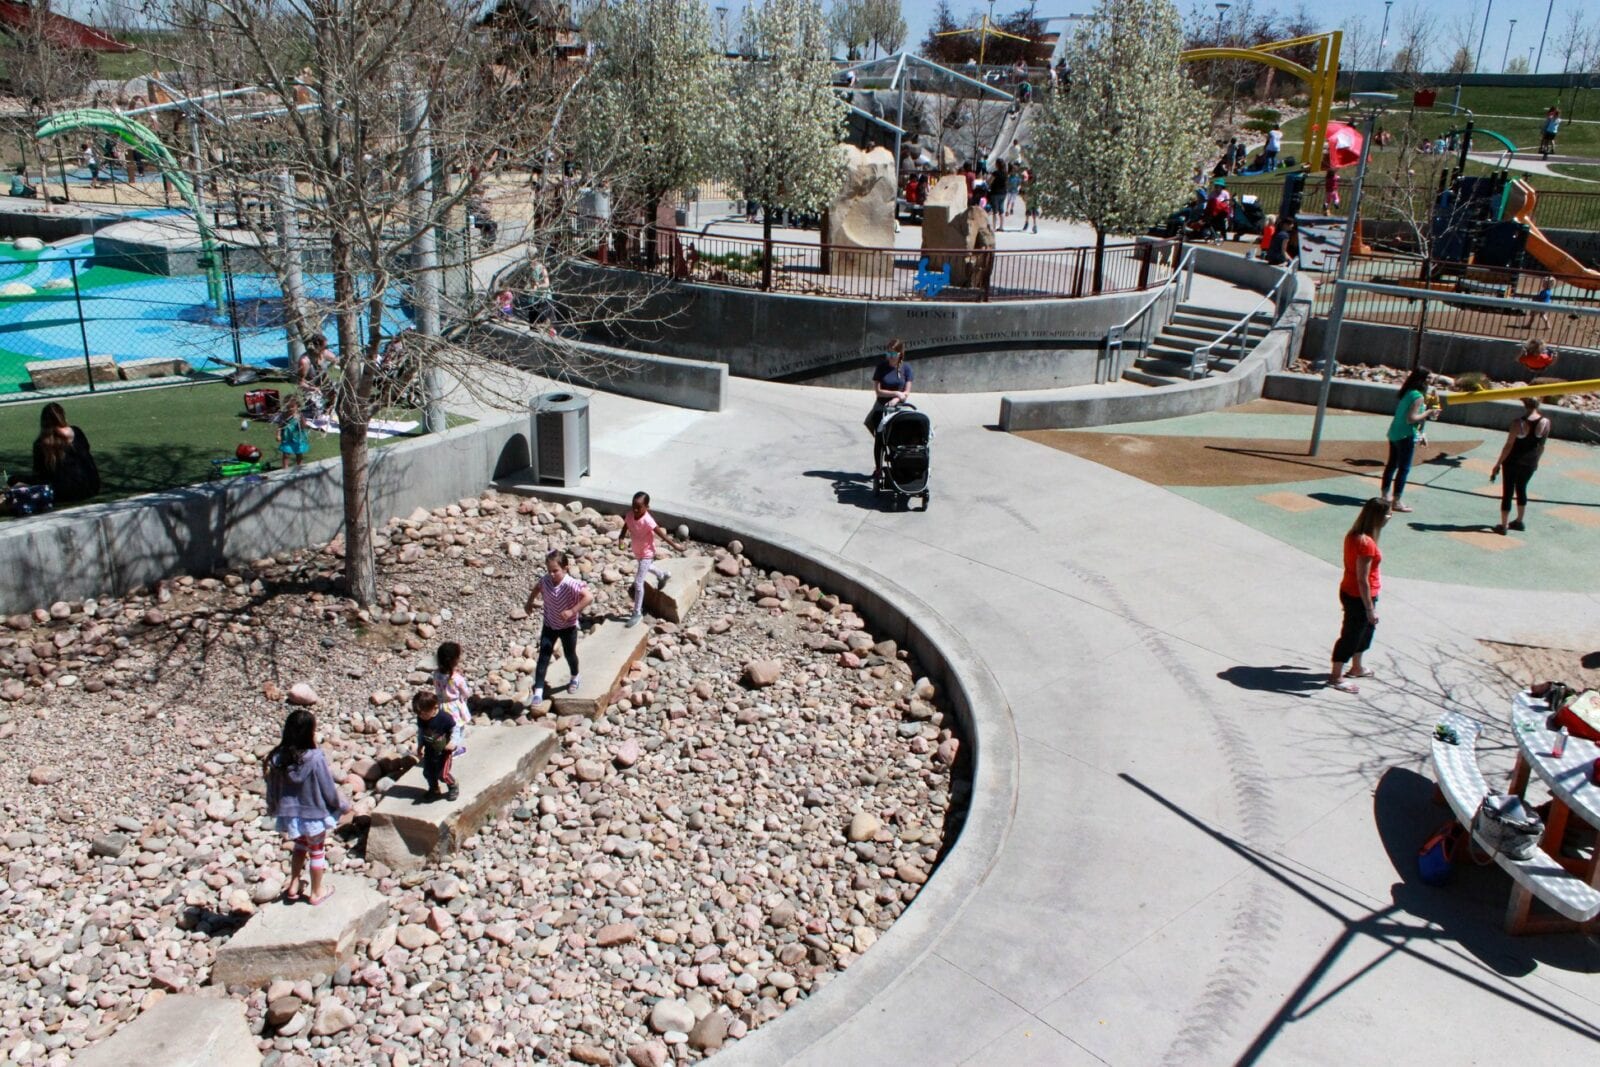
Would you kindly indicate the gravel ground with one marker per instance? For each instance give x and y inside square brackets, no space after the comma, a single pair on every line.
[766,796]
[1365,372]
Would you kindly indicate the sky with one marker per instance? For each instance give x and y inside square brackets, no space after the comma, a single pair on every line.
[1530,16]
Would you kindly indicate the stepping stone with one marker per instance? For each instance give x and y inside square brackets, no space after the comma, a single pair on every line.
[297,940]
[687,581]
[180,1031]
[501,758]
[604,655]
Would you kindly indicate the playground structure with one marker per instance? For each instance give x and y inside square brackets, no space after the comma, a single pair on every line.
[1320,80]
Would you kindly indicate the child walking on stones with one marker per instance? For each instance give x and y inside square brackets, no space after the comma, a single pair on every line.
[451,688]
[564,598]
[641,529]
[292,439]
[304,802]
[435,746]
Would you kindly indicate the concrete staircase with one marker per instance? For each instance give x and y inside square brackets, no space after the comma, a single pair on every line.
[1176,353]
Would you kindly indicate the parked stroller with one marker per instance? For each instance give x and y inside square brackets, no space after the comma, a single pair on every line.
[904,434]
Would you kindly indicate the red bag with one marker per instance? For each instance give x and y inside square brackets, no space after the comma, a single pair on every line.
[1581,715]
[261,402]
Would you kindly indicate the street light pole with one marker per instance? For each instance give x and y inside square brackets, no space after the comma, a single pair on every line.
[1507,53]
[1542,34]
[1222,9]
[1330,336]
[1477,60]
[1383,37]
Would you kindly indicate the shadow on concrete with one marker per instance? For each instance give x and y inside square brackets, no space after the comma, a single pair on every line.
[1356,462]
[1339,500]
[1452,527]
[1284,678]
[1591,661]
[855,489]
[1473,949]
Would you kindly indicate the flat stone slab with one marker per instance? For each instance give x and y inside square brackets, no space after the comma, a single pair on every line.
[180,1031]
[501,758]
[56,373]
[297,940]
[604,655]
[686,580]
[155,367]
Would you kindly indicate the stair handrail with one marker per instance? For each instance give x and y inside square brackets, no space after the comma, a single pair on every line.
[1182,277]
[1274,296]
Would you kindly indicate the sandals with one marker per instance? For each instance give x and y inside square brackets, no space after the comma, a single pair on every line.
[1397,506]
[1359,674]
[323,899]
[1344,687]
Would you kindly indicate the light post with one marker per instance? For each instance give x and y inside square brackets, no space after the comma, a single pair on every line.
[1477,60]
[1530,59]
[1542,34]
[1222,9]
[1330,336]
[1383,37]
[722,26]
[1507,53]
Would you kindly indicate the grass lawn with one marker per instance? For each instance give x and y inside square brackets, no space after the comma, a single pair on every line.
[1590,171]
[146,440]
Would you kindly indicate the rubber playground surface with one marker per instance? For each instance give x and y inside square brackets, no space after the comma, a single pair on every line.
[1250,464]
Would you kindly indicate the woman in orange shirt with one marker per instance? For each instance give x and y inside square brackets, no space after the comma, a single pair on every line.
[1358,595]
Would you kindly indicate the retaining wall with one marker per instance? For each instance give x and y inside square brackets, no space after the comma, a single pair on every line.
[1380,398]
[1137,403]
[823,340]
[1446,353]
[685,383]
[110,548]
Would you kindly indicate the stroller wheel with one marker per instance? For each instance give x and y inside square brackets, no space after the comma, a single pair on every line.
[925,497]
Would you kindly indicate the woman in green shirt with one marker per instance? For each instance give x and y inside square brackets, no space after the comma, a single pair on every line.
[1411,412]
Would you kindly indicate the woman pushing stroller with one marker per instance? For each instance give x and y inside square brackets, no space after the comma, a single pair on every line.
[891,384]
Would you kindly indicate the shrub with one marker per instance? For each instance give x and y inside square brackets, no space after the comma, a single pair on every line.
[1266,114]
[1300,100]
[1260,125]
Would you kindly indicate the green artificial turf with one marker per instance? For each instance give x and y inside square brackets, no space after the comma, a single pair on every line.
[146,440]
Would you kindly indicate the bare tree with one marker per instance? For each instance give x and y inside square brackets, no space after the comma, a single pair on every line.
[44,74]
[375,128]
[1417,32]
[1360,48]
[850,24]
[886,26]
[1461,37]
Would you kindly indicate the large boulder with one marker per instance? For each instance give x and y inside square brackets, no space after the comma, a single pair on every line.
[862,215]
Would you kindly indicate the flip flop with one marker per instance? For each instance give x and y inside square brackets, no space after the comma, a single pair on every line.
[1359,674]
[318,902]
[1343,687]
[1400,508]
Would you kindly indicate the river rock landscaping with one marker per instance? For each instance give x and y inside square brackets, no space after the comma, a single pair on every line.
[768,790]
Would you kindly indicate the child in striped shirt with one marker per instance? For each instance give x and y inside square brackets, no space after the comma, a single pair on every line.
[564,598]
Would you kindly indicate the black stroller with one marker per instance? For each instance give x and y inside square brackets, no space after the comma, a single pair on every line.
[903,435]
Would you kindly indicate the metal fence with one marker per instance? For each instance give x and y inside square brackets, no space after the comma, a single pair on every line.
[1557,210]
[73,320]
[1511,324]
[888,273]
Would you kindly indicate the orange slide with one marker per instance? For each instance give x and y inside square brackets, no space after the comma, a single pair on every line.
[1520,204]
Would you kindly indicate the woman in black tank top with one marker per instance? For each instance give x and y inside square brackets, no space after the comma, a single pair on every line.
[1520,458]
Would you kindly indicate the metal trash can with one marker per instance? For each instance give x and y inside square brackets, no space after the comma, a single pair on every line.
[558,435]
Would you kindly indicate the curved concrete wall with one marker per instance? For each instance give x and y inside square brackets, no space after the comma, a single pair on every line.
[826,341]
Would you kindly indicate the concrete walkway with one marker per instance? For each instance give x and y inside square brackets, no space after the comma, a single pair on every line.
[1210,857]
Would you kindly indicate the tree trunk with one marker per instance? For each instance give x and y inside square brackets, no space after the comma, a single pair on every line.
[766,246]
[1099,258]
[1422,318]
[354,408]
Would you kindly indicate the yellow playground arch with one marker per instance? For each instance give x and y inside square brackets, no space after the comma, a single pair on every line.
[1320,81]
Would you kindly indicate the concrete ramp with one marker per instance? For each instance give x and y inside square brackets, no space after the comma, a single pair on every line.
[686,581]
[298,940]
[604,655]
[180,1031]
[501,758]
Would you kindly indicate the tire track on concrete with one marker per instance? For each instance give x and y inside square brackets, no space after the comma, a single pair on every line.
[1257,917]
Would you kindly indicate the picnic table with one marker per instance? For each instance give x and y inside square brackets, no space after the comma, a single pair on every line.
[1568,884]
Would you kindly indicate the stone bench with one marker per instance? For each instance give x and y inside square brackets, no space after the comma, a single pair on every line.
[297,940]
[1463,786]
[501,758]
[62,373]
[133,370]
[604,655]
[180,1031]
[686,580]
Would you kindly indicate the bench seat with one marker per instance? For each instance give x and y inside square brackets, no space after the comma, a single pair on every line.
[1464,787]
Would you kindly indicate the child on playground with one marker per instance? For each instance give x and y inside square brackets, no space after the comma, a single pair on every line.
[641,530]
[303,802]
[451,688]
[435,746]
[1330,189]
[292,439]
[564,598]
[1540,320]
[1537,356]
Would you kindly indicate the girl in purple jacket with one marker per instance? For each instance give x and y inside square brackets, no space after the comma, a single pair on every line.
[304,802]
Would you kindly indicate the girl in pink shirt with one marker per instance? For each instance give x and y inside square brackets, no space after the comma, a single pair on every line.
[641,529]
[450,686]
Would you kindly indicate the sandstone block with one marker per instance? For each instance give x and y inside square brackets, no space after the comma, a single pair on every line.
[686,581]
[604,655]
[298,940]
[180,1031]
[503,758]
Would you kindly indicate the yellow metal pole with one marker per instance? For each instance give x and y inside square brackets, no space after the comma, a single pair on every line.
[1516,392]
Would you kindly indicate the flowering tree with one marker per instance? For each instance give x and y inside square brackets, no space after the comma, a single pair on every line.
[1118,149]
[787,154]
[656,111]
